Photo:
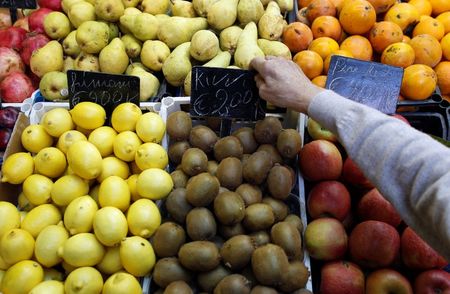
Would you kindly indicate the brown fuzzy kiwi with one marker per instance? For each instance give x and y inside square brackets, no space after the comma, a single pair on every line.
[229,208]
[209,280]
[260,238]
[286,235]
[202,189]
[199,256]
[263,290]
[272,151]
[229,173]
[279,208]
[258,216]
[176,151]
[251,194]
[267,130]
[296,220]
[256,168]
[237,252]
[194,161]
[269,264]
[279,182]
[200,224]
[177,205]
[235,283]
[231,231]
[295,278]
[178,287]
[289,143]
[247,138]
[179,125]
[212,167]
[168,270]
[203,137]
[168,239]
[179,179]
[229,146]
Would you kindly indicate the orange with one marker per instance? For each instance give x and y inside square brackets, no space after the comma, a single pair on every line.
[443,76]
[310,62]
[338,4]
[445,45]
[326,26]
[320,81]
[324,46]
[440,6]
[419,82]
[357,17]
[406,39]
[358,46]
[301,16]
[422,6]
[326,63]
[403,14]
[430,26]
[297,36]
[320,7]
[383,34]
[444,18]
[303,3]
[398,54]
[427,49]
[382,5]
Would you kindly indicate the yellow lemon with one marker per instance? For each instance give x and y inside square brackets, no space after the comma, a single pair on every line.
[125,145]
[88,115]
[79,215]
[46,287]
[23,204]
[67,188]
[34,138]
[16,245]
[110,226]
[37,188]
[154,183]
[47,244]
[22,277]
[50,162]
[84,131]
[93,192]
[68,138]
[113,166]
[51,274]
[40,217]
[85,160]
[151,155]
[143,218]
[82,250]
[2,273]
[10,217]
[114,192]
[84,280]
[57,121]
[137,255]
[134,168]
[122,283]
[103,139]
[23,214]
[110,263]
[17,167]
[132,185]
[150,127]
[3,266]
[125,116]
[67,267]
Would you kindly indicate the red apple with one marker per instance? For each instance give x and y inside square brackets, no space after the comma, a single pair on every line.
[5,18]
[22,23]
[36,20]
[15,88]
[30,44]
[329,199]
[317,132]
[432,282]
[417,254]
[320,160]
[50,4]
[352,174]
[373,206]
[341,277]
[326,239]
[374,244]
[12,37]
[9,62]
[387,281]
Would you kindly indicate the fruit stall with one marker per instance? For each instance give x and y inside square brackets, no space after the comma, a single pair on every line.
[115,179]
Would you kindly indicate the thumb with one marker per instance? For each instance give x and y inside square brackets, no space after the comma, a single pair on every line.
[257,64]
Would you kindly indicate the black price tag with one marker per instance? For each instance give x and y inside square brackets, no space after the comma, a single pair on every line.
[373,84]
[18,4]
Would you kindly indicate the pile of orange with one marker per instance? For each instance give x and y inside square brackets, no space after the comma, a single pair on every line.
[414,35]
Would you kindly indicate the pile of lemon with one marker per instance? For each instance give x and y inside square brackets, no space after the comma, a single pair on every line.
[87,202]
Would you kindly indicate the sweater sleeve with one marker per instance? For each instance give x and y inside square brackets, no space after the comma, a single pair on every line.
[408,167]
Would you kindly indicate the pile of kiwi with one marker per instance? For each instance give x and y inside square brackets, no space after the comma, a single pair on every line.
[228,227]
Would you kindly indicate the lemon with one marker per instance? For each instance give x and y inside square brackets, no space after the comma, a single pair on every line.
[114,191]
[17,167]
[88,115]
[45,287]
[154,183]
[3,266]
[110,226]
[40,217]
[122,283]
[93,192]
[151,155]
[67,267]
[79,215]
[67,188]
[34,138]
[134,168]
[150,127]
[23,214]
[57,121]
[50,162]
[85,159]
[51,274]
[68,138]
[84,131]
[2,273]
[137,256]
[110,263]
[37,188]
[84,280]
[10,217]
[125,116]
[113,166]
[125,145]
[132,185]
[143,218]
[103,139]
[16,245]
[23,204]
[22,277]
[47,244]
[82,250]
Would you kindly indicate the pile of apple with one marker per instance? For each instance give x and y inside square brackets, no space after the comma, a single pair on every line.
[355,235]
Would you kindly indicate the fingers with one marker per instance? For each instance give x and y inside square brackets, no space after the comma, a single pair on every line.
[259,81]
[257,64]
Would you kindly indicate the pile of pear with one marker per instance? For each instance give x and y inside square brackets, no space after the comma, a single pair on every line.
[144,37]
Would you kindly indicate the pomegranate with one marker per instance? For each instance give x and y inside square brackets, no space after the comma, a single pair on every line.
[32,42]
[5,18]
[22,23]
[50,4]
[36,20]
[15,88]
[9,62]
[5,135]
[12,37]
[8,117]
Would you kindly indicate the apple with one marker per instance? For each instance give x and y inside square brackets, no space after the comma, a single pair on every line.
[10,62]
[31,43]
[417,254]
[326,239]
[432,281]
[387,281]
[317,132]
[373,206]
[320,160]
[50,4]
[36,20]
[329,199]
[353,175]
[374,244]
[15,88]
[341,277]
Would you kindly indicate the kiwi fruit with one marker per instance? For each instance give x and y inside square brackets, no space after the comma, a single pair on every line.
[286,235]
[267,130]
[223,189]
[279,182]
[201,256]
[258,216]
[251,194]
[260,238]
[244,158]
[263,290]
[203,137]
[179,179]
[218,240]
[168,270]
[168,239]
[272,151]
[233,284]
[178,287]
[269,264]
[177,205]
[229,146]
[229,208]
[296,220]
[279,208]
[289,143]
[176,151]
[179,125]
[194,161]
[256,168]
[209,280]
[200,224]
[212,167]
[202,189]
[231,231]
[237,251]
[295,278]
[247,139]
[229,173]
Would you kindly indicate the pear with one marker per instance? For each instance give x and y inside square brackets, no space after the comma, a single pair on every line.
[113,58]
[53,86]
[113,30]
[202,6]
[154,54]
[132,45]
[285,5]
[126,21]
[265,2]
[162,17]
[148,85]
[87,62]
[222,14]
[204,45]
[143,26]
[56,25]
[92,36]
[68,64]
[183,8]
[70,45]
[133,65]
[81,12]
[233,67]
[130,3]
[91,1]
[271,24]
[249,10]
[274,48]
[247,46]
[229,37]
[155,6]
[131,11]
[46,59]
[66,4]
[109,10]
[177,30]
[177,65]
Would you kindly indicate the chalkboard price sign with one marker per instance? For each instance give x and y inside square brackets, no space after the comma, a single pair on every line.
[373,84]
[225,93]
[18,4]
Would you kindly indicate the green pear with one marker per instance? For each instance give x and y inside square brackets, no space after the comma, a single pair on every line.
[132,45]
[46,59]
[177,65]
[69,63]
[66,4]
[222,14]
[233,67]
[143,26]
[91,1]
[155,6]
[113,30]
[131,11]
[125,21]
[87,62]
[56,25]
[247,46]
[274,48]
[148,85]
[183,8]
[70,45]
[81,12]
[133,65]
[285,5]
[109,10]
[92,36]
[162,17]
[202,6]
[113,58]
[228,38]
[249,10]
[265,2]
[177,30]
[204,45]
[53,86]
[271,24]
[154,54]
[130,3]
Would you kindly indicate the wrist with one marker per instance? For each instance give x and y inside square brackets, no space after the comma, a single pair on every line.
[305,96]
